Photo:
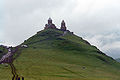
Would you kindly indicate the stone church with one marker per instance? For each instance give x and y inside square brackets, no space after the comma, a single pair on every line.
[50,25]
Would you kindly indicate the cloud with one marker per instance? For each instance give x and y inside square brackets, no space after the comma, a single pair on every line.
[98,16]
[1,22]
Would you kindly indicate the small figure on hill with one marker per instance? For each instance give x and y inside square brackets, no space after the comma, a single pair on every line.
[22,78]
[84,67]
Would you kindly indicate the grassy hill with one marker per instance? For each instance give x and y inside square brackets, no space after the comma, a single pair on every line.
[52,56]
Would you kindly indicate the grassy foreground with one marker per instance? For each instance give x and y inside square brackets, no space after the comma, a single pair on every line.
[51,56]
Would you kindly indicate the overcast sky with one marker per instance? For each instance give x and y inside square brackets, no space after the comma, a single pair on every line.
[97,21]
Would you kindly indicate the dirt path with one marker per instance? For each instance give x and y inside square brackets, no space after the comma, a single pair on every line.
[8,58]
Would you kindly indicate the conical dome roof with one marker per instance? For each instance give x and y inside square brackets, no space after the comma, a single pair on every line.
[50,19]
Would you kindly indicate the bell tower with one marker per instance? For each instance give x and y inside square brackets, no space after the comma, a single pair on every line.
[63,25]
[49,21]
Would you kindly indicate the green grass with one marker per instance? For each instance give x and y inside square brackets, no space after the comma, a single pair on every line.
[51,56]
[3,51]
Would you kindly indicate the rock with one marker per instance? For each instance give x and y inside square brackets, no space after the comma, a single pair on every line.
[25,46]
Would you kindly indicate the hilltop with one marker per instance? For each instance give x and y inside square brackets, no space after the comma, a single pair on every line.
[55,54]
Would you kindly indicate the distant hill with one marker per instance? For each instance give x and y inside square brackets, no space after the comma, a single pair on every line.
[118,59]
[53,54]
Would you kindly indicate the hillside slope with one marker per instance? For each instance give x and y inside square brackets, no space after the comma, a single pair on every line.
[52,56]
